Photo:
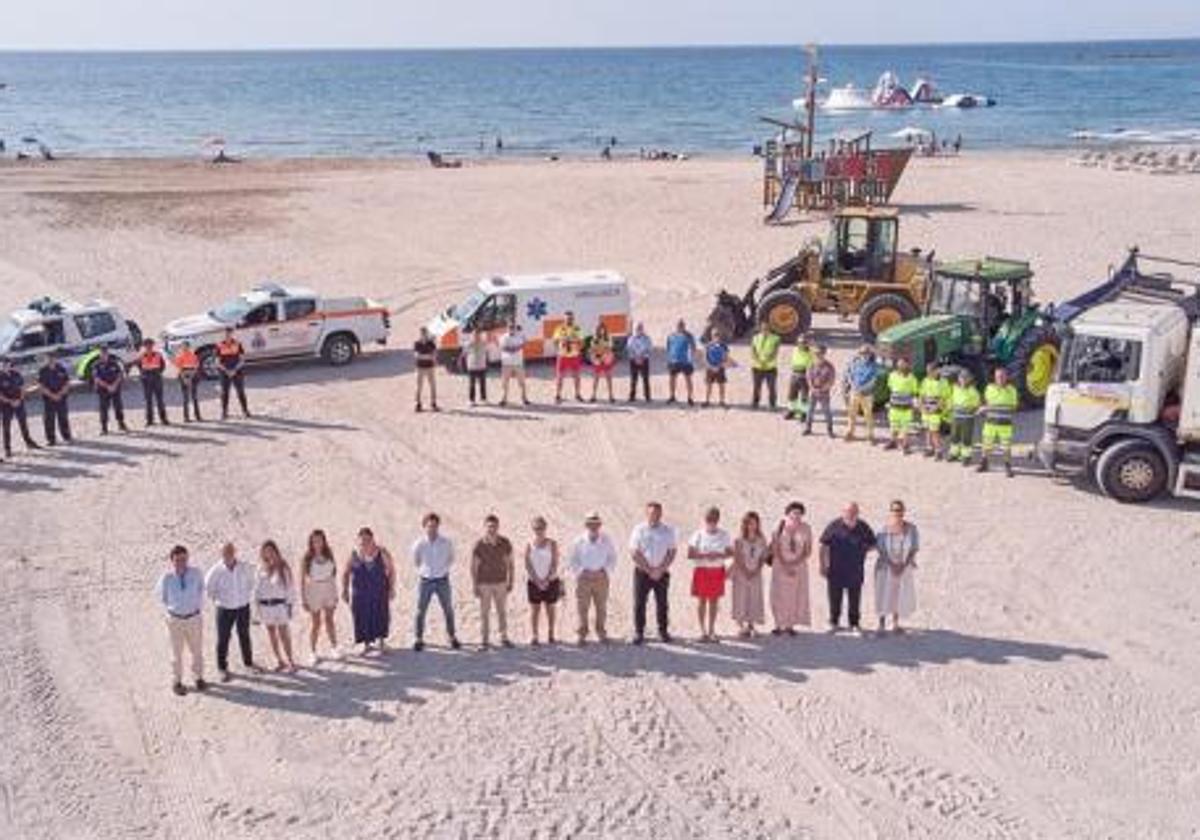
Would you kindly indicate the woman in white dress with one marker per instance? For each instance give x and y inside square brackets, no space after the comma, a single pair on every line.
[273,598]
[318,591]
[544,587]
[897,544]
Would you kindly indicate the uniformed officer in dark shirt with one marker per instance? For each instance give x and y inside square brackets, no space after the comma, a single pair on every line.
[153,365]
[844,547]
[230,363]
[108,375]
[54,382]
[12,406]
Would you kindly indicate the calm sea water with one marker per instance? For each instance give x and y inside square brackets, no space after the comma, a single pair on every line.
[381,103]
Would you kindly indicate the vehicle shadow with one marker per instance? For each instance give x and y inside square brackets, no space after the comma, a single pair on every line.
[355,687]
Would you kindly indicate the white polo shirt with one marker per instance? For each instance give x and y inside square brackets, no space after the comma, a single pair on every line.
[593,556]
[707,542]
[654,542]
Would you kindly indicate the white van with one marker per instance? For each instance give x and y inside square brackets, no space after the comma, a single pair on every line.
[539,303]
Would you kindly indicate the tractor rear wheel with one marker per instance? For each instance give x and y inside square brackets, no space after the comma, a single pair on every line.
[1033,364]
[882,312]
[787,314]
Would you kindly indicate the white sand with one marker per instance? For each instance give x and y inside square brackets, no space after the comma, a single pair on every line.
[1051,689]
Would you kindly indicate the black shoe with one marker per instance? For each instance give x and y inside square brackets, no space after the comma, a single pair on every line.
[791,415]
[123,428]
[806,432]
[1008,469]
[639,639]
[104,433]
[665,637]
[166,422]
[691,403]
[455,643]
[983,466]
[226,676]
[179,690]
[418,646]
[201,685]
[33,445]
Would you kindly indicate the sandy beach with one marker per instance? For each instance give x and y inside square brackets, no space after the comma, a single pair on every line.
[1048,689]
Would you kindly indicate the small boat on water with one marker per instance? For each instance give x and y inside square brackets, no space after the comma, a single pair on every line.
[968,100]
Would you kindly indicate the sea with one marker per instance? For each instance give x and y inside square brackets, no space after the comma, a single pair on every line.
[573,102]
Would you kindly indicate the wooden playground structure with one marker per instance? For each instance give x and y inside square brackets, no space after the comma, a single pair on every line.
[848,171]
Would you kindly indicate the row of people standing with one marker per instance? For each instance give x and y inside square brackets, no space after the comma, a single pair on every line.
[368,583]
[108,379]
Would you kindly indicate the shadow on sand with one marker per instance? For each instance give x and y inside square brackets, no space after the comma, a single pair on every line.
[352,688]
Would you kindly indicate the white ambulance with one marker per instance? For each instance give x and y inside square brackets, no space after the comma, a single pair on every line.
[539,303]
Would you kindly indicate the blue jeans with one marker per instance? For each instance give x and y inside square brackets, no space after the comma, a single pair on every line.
[428,588]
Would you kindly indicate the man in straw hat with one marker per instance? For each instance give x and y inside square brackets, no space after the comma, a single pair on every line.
[593,558]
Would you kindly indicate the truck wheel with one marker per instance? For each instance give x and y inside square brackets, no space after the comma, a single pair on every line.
[786,313]
[1033,364]
[339,349]
[883,312]
[1131,471]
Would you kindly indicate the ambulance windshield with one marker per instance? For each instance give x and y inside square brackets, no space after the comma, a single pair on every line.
[467,308]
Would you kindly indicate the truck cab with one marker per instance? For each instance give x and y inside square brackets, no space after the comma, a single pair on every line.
[1125,409]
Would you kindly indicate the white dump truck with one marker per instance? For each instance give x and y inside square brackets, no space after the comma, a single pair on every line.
[275,322]
[68,331]
[1125,409]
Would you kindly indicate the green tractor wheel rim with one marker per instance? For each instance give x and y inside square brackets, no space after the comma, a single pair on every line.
[783,319]
[1041,369]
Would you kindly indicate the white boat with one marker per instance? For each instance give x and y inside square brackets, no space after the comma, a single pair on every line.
[967,100]
[848,98]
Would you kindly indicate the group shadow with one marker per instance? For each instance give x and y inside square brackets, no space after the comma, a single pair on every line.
[360,685]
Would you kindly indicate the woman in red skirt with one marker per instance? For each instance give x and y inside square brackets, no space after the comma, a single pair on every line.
[708,549]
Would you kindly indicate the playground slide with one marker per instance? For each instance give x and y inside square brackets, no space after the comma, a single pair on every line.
[787,197]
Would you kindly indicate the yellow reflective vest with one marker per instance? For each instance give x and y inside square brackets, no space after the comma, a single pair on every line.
[764,348]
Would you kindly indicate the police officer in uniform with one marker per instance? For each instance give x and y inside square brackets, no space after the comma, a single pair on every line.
[152,365]
[12,406]
[54,383]
[187,363]
[108,375]
[1000,403]
[230,359]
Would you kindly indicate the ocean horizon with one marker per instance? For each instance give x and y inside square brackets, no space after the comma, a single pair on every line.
[572,101]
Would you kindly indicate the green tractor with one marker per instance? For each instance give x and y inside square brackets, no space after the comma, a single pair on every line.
[980,315]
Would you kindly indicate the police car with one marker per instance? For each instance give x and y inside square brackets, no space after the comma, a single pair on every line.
[71,332]
[276,322]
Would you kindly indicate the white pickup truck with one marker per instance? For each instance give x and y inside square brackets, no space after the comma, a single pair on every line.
[275,322]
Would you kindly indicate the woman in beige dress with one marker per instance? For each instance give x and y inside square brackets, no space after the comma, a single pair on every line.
[750,552]
[318,591]
[791,548]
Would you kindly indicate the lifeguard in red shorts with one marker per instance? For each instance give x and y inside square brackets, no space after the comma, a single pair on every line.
[568,341]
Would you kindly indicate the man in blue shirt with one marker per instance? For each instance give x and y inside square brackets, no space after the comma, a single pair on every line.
[180,590]
[861,376]
[716,359]
[681,350]
[12,406]
[54,382]
[108,375]
[638,349]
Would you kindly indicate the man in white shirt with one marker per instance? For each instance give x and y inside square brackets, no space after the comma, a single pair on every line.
[230,585]
[652,546]
[433,555]
[593,559]
[512,361]
[180,590]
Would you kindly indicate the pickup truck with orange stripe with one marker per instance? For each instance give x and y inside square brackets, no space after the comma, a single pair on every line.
[539,303]
[276,322]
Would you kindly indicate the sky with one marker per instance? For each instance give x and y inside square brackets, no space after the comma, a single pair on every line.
[250,24]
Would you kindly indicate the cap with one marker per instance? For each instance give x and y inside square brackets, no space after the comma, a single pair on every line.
[591,517]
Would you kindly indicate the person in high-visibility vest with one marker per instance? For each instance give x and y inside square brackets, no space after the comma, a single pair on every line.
[935,410]
[764,363]
[152,365]
[902,389]
[230,363]
[802,360]
[1000,403]
[187,365]
[964,406]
